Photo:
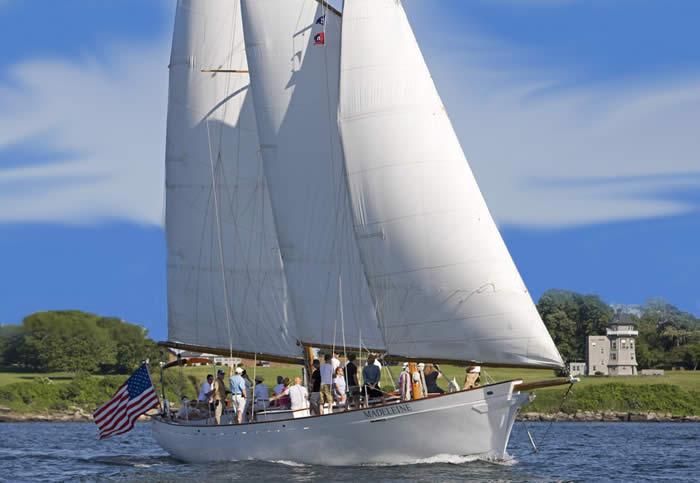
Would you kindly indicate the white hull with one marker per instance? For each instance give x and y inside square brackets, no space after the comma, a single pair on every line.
[477,422]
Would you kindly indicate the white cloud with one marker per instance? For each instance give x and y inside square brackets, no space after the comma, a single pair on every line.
[628,146]
[521,127]
[110,115]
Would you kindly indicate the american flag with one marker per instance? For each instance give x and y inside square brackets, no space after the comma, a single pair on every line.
[136,396]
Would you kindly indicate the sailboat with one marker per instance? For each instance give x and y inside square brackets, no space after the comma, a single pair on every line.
[317,196]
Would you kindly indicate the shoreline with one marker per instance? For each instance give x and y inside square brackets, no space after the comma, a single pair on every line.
[607,417]
[80,416]
[75,415]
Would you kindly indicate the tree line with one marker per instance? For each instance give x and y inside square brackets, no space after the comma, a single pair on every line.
[668,337]
[75,341]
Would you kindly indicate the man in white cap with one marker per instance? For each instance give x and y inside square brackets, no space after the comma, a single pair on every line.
[238,394]
[471,379]
[405,386]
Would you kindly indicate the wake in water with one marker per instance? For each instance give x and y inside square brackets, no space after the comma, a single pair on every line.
[293,464]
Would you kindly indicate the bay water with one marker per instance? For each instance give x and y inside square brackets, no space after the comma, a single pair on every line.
[568,452]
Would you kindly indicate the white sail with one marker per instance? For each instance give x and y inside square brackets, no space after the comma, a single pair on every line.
[293,52]
[442,278]
[212,134]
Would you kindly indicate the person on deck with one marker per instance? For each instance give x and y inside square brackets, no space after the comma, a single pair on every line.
[185,410]
[335,362]
[238,394]
[315,397]
[471,379]
[261,393]
[279,387]
[405,386]
[284,401]
[326,384]
[353,384]
[299,398]
[205,393]
[421,379]
[339,387]
[371,375]
[219,392]
[431,377]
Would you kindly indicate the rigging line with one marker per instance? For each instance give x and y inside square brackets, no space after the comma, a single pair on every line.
[298,56]
[234,201]
[198,275]
[549,426]
[342,329]
[221,243]
[233,195]
[375,294]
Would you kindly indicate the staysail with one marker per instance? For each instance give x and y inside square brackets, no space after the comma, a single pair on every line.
[226,285]
[293,49]
[441,276]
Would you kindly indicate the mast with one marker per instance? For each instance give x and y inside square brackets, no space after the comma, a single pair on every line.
[293,52]
[226,285]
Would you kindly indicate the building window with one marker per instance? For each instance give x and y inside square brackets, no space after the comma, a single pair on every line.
[602,351]
[614,345]
[613,356]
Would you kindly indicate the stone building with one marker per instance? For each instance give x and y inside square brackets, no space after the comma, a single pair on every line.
[621,333]
[597,354]
[613,354]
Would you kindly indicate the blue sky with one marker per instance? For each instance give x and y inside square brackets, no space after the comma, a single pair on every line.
[579,118]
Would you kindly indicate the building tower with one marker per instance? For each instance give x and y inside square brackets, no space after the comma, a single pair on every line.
[621,333]
[597,355]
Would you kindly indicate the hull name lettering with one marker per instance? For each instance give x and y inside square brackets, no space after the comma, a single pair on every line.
[387,411]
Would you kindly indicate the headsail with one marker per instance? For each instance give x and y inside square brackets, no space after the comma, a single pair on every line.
[212,134]
[293,52]
[442,278]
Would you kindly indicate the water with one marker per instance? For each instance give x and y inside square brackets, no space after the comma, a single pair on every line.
[571,452]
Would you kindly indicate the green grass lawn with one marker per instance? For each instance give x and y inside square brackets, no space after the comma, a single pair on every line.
[689,380]
[676,392]
[10,375]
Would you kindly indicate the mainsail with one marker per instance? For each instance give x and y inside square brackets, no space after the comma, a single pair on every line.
[293,49]
[441,276]
[226,285]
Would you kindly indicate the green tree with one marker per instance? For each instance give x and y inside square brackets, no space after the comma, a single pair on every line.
[9,338]
[78,341]
[132,345]
[571,317]
[64,341]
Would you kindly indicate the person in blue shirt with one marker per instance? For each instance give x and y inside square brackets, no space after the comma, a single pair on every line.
[238,394]
[371,375]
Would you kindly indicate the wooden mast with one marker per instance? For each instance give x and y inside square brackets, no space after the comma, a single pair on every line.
[308,362]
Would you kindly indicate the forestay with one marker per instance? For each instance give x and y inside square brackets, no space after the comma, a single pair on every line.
[293,53]
[212,134]
[442,278]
